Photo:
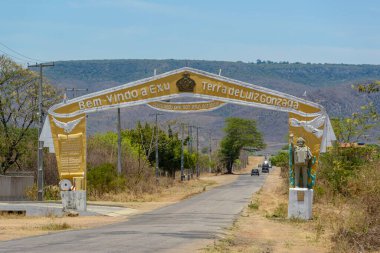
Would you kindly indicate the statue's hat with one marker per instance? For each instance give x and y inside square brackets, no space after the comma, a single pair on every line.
[300,139]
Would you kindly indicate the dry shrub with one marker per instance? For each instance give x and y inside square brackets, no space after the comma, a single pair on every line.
[51,192]
[356,227]
[146,190]
[56,226]
[31,192]
[360,229]
[138,175]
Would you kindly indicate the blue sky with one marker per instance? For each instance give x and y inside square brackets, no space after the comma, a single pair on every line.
[318,31]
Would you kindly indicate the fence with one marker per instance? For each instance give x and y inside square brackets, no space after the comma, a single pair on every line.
[14,187]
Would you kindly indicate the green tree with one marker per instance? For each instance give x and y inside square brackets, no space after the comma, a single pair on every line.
[169,147]
[18,111]
[281,159]
[239,133]
[372,87]
[104,179]
[353,128]
[169,150]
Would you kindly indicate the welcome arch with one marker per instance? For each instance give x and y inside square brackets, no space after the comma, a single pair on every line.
[64,130]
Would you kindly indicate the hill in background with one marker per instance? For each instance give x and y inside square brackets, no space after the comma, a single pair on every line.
[327,84]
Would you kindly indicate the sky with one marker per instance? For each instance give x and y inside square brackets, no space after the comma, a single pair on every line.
[315,31]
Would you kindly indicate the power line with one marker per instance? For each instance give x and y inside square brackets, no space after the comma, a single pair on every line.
[12,56]
[22,55]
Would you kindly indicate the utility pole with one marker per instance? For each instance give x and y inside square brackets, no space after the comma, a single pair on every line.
[213,142]
[40,164]
[209,151]
[190,135]
[75,90]
[182,165]
[118,142]
[197,152]
[197,146]
[190,147]
[156,133]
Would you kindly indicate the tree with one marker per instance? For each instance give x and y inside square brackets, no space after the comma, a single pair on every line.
[18,111]
[372,87]
[239,133]
[352,129]
[169,147]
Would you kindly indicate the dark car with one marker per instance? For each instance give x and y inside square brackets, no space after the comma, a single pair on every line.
[255,172]
[265,167]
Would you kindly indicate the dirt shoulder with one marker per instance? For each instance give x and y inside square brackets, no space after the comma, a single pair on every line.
[13,227]
[263,226]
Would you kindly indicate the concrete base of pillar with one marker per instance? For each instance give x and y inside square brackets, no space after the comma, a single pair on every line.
[300,203]
[74,200]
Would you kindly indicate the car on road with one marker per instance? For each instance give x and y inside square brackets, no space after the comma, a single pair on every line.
[255,172]
[265,167]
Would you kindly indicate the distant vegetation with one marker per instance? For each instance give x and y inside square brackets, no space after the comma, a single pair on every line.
[121,71]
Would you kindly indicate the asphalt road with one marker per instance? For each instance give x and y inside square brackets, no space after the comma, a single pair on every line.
[182,227]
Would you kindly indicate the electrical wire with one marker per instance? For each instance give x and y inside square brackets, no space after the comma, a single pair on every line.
[14,51]
[12,56]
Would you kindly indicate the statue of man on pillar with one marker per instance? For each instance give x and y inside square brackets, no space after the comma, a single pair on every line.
[301,157]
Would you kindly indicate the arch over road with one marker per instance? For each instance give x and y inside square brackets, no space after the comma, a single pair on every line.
[64,131]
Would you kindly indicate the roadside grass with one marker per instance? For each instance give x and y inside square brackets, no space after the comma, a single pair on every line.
[280,212]
[225,244]
[254,205]
[51,192]
[12,214]
[56,226]
[222,245]
[21,227]
[164,191]
[350,211]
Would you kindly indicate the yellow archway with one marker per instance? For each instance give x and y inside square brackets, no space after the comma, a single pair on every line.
[64,130]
